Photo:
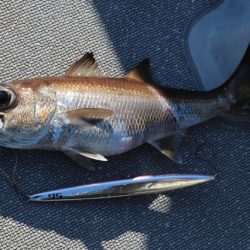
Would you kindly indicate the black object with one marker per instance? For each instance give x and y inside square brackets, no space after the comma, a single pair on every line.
[5,98]
[217,40]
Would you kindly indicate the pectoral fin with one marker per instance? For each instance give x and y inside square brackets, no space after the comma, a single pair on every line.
[89,114]
[169,146]
[86,66]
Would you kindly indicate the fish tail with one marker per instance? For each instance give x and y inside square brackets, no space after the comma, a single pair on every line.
[237,87]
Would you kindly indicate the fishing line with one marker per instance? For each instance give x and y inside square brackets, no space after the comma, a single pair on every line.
[208,158]
[12,180]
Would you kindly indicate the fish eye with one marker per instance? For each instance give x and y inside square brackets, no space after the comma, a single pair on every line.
[7,99]
[4,97]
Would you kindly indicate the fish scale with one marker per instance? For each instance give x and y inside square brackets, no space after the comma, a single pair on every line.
[84,113]
[141,113]
[133,117]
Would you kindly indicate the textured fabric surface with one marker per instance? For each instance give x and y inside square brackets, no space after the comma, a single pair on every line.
[44,38]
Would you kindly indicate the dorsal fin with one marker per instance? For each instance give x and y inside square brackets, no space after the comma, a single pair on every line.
[86,66]
[141,72]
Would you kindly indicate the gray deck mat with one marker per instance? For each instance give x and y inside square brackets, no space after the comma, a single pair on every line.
[44,38]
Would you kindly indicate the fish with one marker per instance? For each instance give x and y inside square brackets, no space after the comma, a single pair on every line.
[87,115]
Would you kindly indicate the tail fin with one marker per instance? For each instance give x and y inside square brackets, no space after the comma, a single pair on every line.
[238,85]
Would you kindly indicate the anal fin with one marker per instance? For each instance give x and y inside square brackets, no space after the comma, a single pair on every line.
[169,146]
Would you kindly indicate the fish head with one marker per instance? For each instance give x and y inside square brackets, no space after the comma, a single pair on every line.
[25,113]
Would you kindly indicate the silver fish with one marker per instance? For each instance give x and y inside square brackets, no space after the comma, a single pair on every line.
[88,115]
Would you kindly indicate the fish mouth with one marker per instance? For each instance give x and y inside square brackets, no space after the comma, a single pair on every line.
[1,121]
